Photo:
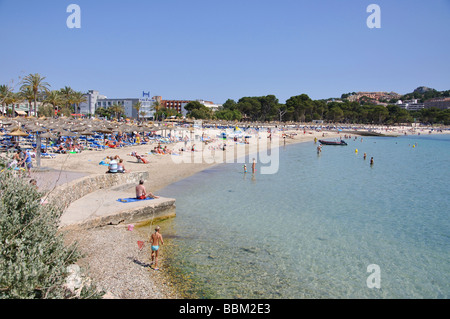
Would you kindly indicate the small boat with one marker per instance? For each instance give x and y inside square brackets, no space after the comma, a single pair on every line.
[341,142]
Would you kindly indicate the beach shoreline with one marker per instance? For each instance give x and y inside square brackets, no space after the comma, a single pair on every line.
[112,259]
[111,250]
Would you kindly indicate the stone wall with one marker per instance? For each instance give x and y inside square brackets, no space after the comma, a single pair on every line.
[164,209]
[65,194]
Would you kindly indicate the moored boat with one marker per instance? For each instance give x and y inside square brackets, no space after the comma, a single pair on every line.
[341,142]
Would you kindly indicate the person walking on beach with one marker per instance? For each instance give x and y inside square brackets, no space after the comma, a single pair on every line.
[156,240]
[141,193]
[27,162]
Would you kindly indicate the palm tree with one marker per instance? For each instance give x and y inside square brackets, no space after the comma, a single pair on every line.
[138,107]
[28,94]
[77,99]
[156,107]
[54,98]
[117,109]
[67,95]
[37,84]
[143,114]
[13,99]
[5,92]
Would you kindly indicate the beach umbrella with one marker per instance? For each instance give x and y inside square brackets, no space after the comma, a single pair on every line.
[142,129]
[18,132]
[48,135]
[7,123]
[126,129]
[103,130]
[154,128]
[68,133]
[36,129]
[87,132]
[78,128]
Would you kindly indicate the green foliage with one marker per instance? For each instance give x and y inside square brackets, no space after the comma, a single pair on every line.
[33,257]
[164,113]
[228,115]
[198,111]
[259,108]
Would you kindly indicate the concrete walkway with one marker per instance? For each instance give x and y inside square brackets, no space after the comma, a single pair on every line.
[100,208]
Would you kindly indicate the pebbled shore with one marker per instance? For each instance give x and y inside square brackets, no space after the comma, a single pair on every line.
[116,266]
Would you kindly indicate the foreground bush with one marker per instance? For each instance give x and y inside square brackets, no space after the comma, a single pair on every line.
[33,257]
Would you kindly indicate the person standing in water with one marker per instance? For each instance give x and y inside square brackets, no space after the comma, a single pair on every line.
[156,240]
[254,166]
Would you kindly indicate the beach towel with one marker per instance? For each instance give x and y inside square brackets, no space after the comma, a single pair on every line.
[103,163]
[131,199]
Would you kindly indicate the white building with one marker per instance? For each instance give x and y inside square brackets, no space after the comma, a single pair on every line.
[96,100]
[410,105]
[211,105]
[89,106]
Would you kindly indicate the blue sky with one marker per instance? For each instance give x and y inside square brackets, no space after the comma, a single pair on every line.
[215,50]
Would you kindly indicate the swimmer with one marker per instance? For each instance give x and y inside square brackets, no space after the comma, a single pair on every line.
[156,240]
[245,168]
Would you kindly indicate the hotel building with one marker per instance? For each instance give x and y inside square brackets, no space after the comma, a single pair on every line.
[440,103]
[410,105]
[95,100]
[179,105]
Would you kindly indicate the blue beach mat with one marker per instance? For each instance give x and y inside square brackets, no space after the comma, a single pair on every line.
[131,199]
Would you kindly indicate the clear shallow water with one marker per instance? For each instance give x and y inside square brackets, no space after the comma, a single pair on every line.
[311,230]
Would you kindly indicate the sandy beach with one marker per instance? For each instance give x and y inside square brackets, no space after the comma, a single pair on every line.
[111,256]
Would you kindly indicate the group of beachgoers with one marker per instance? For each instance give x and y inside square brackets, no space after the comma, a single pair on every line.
[115,165]
[22,159]
[66,146]
[123,139]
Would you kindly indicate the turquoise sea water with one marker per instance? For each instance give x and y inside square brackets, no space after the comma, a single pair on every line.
[312,229]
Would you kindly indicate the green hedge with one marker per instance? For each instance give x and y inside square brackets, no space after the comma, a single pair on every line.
[33,256]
